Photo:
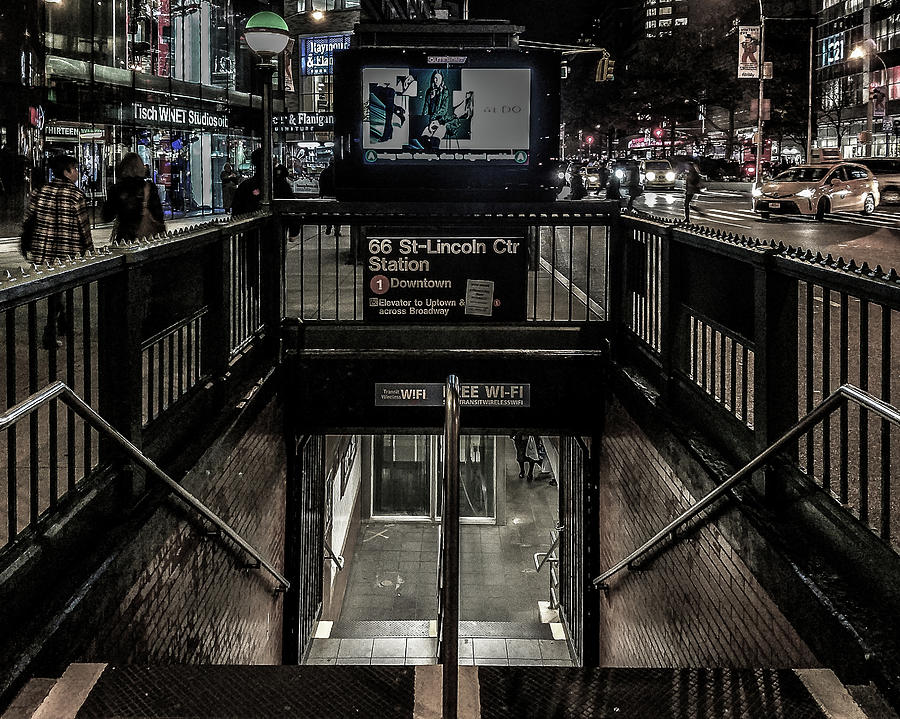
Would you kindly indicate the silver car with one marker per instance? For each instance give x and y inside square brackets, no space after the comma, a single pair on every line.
[818,190]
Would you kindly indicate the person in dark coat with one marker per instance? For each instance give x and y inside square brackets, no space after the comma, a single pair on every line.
[327,189]
[281,189]
[577,190]
[526,452]
[692,185]
[633,183]
[248,195]
[133,202]
[229,185]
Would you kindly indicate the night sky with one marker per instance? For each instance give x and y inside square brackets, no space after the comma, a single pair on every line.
[547,20]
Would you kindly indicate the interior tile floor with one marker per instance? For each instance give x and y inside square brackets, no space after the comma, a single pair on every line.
[392,590]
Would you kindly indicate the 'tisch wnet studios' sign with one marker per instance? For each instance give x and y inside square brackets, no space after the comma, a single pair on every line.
[317,53]
[168,116]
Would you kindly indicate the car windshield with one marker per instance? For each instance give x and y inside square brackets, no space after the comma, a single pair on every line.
[657,166]
[802,174]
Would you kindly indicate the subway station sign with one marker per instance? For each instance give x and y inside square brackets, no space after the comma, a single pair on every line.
[434,279]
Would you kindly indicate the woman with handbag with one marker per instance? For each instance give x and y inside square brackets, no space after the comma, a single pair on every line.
[133,203]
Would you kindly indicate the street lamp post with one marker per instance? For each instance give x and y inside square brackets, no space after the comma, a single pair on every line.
[267,35]
[867,50]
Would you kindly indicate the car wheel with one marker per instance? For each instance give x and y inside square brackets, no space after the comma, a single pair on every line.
[764,215]
[868,205]
[821,209]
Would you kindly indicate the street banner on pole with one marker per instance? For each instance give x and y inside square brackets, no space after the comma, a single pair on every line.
[879,101]
[748,51]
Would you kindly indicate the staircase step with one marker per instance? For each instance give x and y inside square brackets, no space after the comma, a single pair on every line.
[29,698]
[336,692]
[69,693]
[420,628]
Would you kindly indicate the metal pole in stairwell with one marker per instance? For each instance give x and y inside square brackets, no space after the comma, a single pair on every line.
[450,625]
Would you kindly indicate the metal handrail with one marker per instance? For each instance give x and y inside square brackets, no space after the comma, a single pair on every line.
[537,567]
[329,554]
[59,390]
[826,407]
[449,629]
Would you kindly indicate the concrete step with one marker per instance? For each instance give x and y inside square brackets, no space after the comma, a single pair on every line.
[98,691]
[29,699]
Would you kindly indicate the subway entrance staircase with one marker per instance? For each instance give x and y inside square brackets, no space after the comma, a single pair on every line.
[101,691]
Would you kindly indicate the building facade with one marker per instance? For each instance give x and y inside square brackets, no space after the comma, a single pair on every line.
[857,60]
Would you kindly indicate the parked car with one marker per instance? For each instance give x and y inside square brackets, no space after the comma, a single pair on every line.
[658,175]
[887,170]
[818,190]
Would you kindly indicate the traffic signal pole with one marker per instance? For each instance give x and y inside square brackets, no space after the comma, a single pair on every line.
[760,143]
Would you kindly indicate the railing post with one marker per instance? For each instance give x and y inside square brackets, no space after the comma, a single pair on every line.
[590,650]
[668,314]
[775,379]
[121,303]
[271,242]
[616,271]
[216,337]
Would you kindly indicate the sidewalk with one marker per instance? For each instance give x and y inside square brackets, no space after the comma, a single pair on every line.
[11,259]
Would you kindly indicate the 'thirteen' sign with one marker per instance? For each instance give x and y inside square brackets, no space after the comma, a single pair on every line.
[179,117]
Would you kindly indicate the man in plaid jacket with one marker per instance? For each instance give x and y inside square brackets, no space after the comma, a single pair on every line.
[61,228]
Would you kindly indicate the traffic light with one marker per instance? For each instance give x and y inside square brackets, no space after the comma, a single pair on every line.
[658,133]
[602,69]
[610,65]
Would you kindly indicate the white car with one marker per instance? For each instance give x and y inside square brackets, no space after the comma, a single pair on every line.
[817,190]
[658,175]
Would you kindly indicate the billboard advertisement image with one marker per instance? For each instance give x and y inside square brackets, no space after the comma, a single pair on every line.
[414,113]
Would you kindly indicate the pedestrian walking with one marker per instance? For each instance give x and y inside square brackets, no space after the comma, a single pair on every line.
[248,195]
[577,190]
[230,180]
[692,185]
[633,183]
[281,189]
[526,453]
[133,204]
[327,189]
[57,225]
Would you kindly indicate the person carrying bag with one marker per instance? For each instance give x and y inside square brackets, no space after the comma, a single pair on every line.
[133,203]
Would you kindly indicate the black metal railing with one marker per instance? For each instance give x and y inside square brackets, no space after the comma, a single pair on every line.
[138,331]
[745,336]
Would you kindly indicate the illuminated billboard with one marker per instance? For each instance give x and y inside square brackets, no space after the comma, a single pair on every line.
[476,114]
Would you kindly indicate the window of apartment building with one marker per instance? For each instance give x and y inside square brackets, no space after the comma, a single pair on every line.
[681,21]
[665,23]
[651,12]
[665,11]
[650,24]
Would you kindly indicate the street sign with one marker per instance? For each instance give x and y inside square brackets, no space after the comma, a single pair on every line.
[748,51]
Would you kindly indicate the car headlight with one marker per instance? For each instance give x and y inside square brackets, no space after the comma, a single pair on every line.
[670,176]
[594,178]
[620,174]
[806,193]
[561,175]
[757,192]
[651,176]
